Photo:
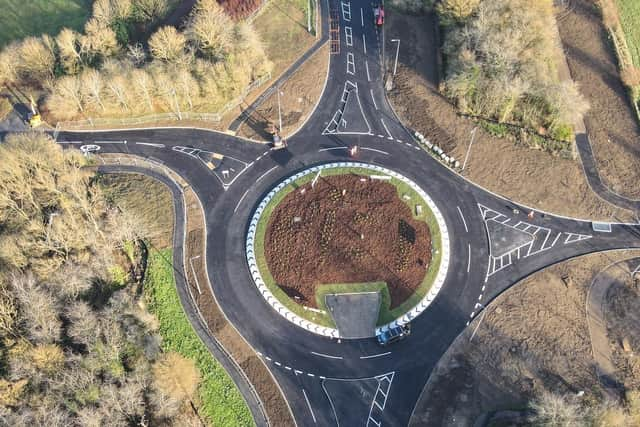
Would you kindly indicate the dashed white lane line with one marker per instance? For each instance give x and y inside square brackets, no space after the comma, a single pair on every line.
[463,220]
[366,66]
[109,142]
[278,363]
[332,148]
[469,259]
[361,17]
[374,149]
[266,173]
[310,374]
[309,405]
[150,144]
[328,356]
[375,355]
[380,136]
[386,128]
[364,43]
[373,99]
[241,199]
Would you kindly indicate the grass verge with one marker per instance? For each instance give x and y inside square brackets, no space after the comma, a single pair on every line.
[21,18]
[409,196]
[221,402]
[629,12]
[282,26]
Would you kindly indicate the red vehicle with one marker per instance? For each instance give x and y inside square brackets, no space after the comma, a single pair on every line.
[378,15]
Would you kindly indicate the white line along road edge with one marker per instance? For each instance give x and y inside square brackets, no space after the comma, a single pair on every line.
[332,332]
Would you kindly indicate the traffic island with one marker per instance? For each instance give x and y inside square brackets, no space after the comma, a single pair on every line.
[347,228]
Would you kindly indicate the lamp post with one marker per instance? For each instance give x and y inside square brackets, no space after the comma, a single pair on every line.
[279,111]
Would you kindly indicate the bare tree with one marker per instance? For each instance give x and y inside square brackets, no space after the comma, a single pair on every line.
[211,29]
[143,87]
[99,40]
[167,44]
[151,10]
[93,87]
[38,308]
[136,54]
[69,50]
[83,323]
[36,59]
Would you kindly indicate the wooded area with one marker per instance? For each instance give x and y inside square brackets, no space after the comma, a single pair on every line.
[106,72]
[77,342]
[500,64]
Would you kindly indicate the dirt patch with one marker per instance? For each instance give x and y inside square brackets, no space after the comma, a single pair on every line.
[515,171]
[622,313]
[533,337]
[611,122]
[348,229]
[298,98]
[240,9]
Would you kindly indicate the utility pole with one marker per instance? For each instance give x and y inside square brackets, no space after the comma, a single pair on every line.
[395,64]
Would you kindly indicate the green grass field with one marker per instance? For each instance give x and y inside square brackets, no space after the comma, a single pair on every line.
[629,11]
[21,18]
[221,402]
[410,197]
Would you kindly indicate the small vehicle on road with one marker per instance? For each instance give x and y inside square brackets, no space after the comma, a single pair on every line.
[89,148]
[394,334]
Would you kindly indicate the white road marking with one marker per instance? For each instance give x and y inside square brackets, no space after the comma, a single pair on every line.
[326,355]
[332,148]
[463,220]
[110,142]
[469,259]
[386,129]
[297,372]
[375,355]
[373,99]
[266,173]
[311,375]
[278,363]
[361,18]
[309,405]
[351,65]
[241,199]
[366,65]
[348,36]
[380,136]
[71,142]
[478,325]
[374,149]
[346,11]
[288,368]
[364,43]
[150,144]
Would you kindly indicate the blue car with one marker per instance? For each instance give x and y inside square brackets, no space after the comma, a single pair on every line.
[394,334]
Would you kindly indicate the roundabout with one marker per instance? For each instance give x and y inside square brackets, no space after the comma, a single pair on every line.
[474,244]
[347,228]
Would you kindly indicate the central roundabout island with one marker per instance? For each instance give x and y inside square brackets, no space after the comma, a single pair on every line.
[348,249]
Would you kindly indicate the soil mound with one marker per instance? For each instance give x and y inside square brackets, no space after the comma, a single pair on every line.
[347,229]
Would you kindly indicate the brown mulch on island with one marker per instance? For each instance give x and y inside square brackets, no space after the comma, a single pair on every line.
[347,229]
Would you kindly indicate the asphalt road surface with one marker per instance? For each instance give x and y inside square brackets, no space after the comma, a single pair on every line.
[356,382]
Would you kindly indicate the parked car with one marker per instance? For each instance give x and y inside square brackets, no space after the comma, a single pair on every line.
[394,334]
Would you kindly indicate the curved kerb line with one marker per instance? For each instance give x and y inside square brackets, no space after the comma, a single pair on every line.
[333,332]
